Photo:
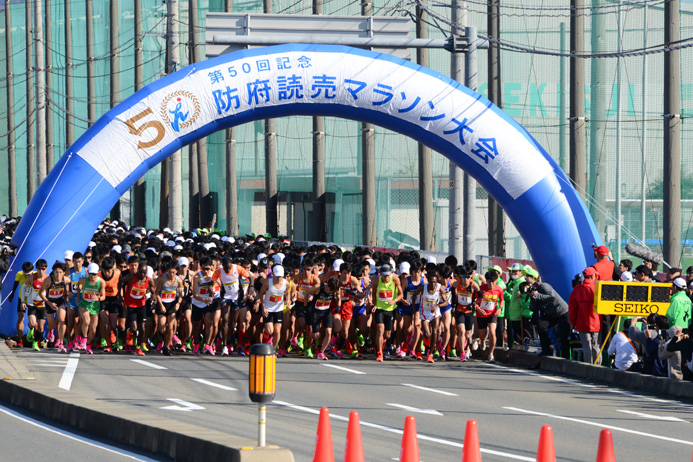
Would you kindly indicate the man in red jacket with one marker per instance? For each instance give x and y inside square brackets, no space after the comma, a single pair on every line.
[583,317]
[604,265]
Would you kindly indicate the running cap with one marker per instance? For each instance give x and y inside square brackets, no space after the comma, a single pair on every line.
[337,263]
[260,256]
[230,239]
[589,271]
[93,268]
[183,261]
[627,276]
[167,230]
[224,239]
[178,247]
[150,272]
[116,248]
[385,270]
[371,262]
[602,250]
[278,271]
[278,258]
[127,248]
[431,259]
[170,243]
[215,236]
[91,244]
[68,255]
[516,267]
[680,283]
[404,268]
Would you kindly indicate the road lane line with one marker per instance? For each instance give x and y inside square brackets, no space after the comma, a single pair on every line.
[147,363]
[81,439]
[69,372]
[344,369]
[651,416]
[433,390]
[587,385]
[601,425]
[212,384]
[399,432]
[414,409]
[182,406]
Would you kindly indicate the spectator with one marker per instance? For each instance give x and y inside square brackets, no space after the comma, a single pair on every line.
[605,265]
[672,357]
[681,343]
[583,317]
[652,335]
[643,273]
[625,266]
[679,312]
[624,352]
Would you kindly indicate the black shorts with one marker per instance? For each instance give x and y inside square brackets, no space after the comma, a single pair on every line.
[169,309]
[303,310]
[323,317]
[40,313]
[138,315]
[230,305]
[482,323]
[275,318]
[385,317]
[465,318]
[19,307]
[113,307]
[197,314]
[186,305]
[60,303]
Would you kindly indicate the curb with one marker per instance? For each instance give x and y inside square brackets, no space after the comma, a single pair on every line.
[632,380]
[159,435]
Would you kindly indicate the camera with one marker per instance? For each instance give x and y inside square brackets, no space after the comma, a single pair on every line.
[10,248]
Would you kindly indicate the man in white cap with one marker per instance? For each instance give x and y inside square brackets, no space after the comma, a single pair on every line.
[679,312]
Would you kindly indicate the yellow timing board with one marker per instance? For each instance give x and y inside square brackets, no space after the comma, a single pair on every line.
[631,298]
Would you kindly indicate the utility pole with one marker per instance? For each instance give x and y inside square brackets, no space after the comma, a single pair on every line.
[232,223]
[426,207]
[203,173]
[11,139]
[496,217]
[40,93]
[471,82]
[49,88]
[175,175]
[69,98]
[562,161]
[30,155]
[271,190]
[140,187]
[370,227]
[577,96]
[91,77]
[319,199]
[165,168]
[672,137]
[597,122]
[115,80]
[193,159]
[456,202]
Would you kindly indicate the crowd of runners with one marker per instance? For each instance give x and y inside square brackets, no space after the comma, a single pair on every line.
[140,291]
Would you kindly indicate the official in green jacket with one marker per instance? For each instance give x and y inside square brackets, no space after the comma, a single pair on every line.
[679,312]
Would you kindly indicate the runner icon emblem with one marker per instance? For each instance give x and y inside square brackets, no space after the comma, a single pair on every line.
[180,109]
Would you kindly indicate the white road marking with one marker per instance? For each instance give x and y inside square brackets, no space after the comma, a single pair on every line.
[212,384]
[601,425]
[81,439]
[432,390]
[413,409]
[587,385]
[656,417]
[147,363]
[344,369]
[432,439]
[184,406]
[49,364]
[69,372]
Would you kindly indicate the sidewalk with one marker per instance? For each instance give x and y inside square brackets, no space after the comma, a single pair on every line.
[177,440]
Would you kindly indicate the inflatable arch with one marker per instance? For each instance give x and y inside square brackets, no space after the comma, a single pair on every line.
[324,80]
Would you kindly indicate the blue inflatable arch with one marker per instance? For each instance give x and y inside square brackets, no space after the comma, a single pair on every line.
[287,80]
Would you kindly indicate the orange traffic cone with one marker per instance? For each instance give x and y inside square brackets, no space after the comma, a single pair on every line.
[605,452]
[546,451]
[324,451]
[471,451]
[410,443]
[353,450]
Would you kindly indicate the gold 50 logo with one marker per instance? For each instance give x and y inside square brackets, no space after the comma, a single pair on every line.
[178,109]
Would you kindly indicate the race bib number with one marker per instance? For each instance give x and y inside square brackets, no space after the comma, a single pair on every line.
[322,304]
[302,292]
[385,295]
[137,292]
[464,299]
[168,296]
[231,287]
[276,298]
[488,306]
[90,296]
[56,293]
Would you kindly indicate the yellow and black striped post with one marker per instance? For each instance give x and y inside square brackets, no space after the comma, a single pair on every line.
[263,367]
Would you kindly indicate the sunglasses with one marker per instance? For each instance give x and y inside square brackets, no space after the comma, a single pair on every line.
[41,267]
[206,268]
[88,257]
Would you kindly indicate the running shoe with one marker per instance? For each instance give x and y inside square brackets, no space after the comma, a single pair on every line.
[119,345]
[386,353]
[168,352]
[281,354]
[379,356]
[398,351]
[176,341]
[401,354]
[294,342]
[30,335]
[430,358]
[35,346]
[209,350]
[139,352]
[160,347]
[453,353]
[196,349]
[419,355]
[20,343]
[443,356]
[144,347]
[412,354]
[299,343]
[107,349]
[128,348]
[51,337]
[309,353]
[463,357]
[188,343]
[354,354]
[183,348]
[241,352]
[113,337]
[361,341]
[89,350]
[491,359]
[61,348]
[338,354]
[475,344]
[436,353]
[225,351]
[104,343]
[322,357]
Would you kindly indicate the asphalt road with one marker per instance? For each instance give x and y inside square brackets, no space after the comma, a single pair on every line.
[510,405]
[28,437]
